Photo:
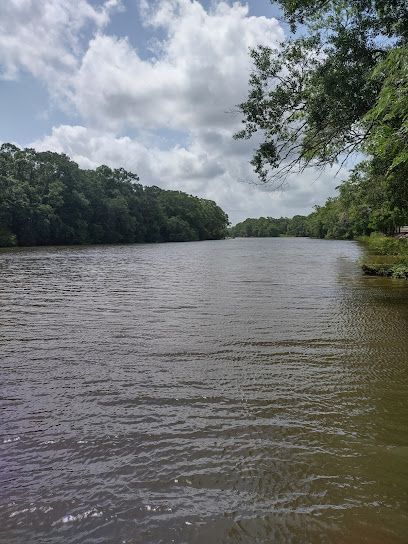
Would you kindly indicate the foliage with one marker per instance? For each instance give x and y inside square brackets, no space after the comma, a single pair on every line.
[386,17]
[331,92]
[367,202]
[328,221]
[46,199]
[269,227]
[297,226]
[389,118]
[386,256]
[385,245]
[399,271]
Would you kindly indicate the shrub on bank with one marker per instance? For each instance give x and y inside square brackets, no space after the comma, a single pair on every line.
[386,256]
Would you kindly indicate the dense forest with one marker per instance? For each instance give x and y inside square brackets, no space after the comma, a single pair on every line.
[337,87]
[269,227]
[46,199]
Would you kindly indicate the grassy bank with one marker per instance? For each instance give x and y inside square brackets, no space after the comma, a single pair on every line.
[385,256]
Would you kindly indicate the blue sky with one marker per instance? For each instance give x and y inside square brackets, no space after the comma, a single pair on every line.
[147,85]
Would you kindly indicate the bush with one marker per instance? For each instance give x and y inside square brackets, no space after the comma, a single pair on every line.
[7,239]
[385,245]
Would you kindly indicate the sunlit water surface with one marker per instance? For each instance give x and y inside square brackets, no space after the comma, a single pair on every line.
[240,391]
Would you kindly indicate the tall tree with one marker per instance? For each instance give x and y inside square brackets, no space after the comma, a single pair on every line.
[315,99]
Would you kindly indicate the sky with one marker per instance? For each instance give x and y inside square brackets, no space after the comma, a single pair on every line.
[149,86]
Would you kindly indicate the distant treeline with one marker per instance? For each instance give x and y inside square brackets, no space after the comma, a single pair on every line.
[268,226]
[46,199]
[367,202]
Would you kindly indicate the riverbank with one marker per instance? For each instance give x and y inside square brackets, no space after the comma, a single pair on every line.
[385,256]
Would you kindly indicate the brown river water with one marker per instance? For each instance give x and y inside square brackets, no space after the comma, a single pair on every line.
[237,391]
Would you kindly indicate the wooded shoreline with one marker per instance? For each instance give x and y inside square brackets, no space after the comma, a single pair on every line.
[46,199]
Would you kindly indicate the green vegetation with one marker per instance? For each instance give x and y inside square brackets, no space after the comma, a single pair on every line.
[46,199]
[338,89]
[270,227]
[386,256]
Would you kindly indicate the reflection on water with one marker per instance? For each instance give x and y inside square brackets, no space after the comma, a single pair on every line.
[235,391]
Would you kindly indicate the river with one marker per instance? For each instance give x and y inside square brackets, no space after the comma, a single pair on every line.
[234,391]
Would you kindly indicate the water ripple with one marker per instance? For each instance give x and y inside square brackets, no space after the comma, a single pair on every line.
[202,392]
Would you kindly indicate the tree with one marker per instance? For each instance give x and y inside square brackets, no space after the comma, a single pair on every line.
[386,17]
[45,198]
[372,200]
[297,226]
[262,227]
[315,100]
[388,119]
[179,230]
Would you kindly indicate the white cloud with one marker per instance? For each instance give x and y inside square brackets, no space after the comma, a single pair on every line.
[200,71]
[43,37]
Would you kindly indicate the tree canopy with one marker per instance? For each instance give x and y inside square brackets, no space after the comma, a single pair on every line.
[263,227]
[339,88]
[46,199]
